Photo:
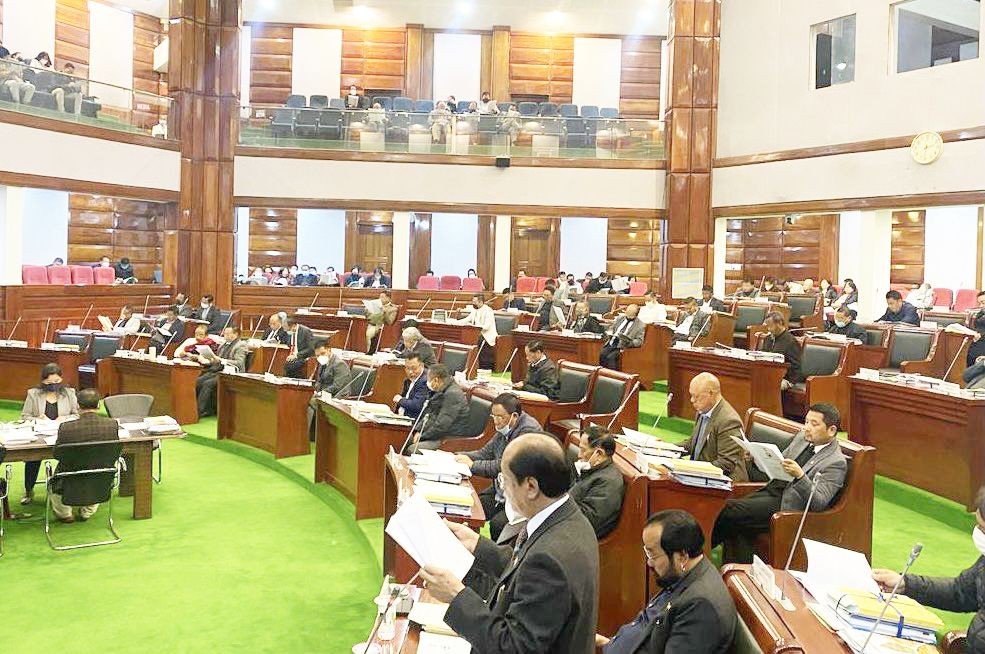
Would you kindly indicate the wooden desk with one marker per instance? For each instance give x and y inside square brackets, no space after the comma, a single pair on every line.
[390,378]
[396,561]
[651,360]
[557,346]
[21,368]
[450,332]
[351,329]
[172,385]
[745,382]
[269,358]
[272,417]
[924,438]
[349,453]
[540,410]
[135,482]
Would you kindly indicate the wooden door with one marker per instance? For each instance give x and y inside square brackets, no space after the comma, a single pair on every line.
[369,240]
[536,246]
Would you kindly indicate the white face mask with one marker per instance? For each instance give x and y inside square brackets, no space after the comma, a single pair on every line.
[511,513]
[840,323]
[978,537]
[581,467]
[205,305]
[323,360]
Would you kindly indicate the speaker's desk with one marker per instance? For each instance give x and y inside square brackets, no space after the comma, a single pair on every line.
[270,415]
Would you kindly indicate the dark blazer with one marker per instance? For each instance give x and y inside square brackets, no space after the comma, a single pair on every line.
[446,414]
[412,398]
[907,314]
[543,378]
[587,325]
[962,594]
[486,460]
[786,345]
[176,328]
[89,428]
[716,304]
[186,310]
[719,448]
[593,286]
[123,272]
[545,602]
[698,615]
[422,349]
[851,330]
[281,336]
[598,493]
[334,377]
[213,316]
[304,339]
[516,303]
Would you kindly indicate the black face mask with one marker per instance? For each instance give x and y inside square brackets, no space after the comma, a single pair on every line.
[52,388]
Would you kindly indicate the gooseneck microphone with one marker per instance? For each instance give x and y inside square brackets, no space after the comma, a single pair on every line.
[914,553]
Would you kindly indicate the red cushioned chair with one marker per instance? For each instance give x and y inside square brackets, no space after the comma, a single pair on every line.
[103,275]
[81,274]
[34,275]
[637,289]
[427,283]
[967,298]
[451,283]
[943,297]
[474,284]
[541,283]
[59,275]
[526,285]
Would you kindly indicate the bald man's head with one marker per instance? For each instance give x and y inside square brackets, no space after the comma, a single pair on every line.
[705,390]
[535,472]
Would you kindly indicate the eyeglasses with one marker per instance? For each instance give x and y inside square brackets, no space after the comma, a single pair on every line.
[652,557]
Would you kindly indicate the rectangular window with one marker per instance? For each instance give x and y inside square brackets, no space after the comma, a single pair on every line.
[935,32]
[834,51]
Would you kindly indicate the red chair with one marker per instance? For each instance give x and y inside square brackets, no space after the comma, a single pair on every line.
[451,283]
[59,275]
[541,283]
[81,274]
[637,289]
[428,283]
[34,275]
[473,284]
[966,299]
[943,297]
[102,275]
[526,285]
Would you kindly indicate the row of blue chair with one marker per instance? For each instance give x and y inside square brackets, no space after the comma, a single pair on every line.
[408,105]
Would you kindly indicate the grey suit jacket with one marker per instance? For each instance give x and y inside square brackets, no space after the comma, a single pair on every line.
[544,602]
[719,448]
[424,350]
[68,405]
[334,377]
[236,352]
[634,335]
[829,467]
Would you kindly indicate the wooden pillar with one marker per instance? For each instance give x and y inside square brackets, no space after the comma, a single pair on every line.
[199,240]
[414,61]
[499,73]
[693,51]
[485,261]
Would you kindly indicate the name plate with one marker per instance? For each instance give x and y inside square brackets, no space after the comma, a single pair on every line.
[764,577]
[9,343]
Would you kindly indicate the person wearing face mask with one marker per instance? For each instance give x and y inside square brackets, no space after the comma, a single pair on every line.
[510,421]
[446,413]
[232,353]
[276,332]
[211,314]
[780,340]
[482,316]
[50,400]
[962,594]
[355,279]
[813,458]
[542,373]
[693,611]
[300,276]
[583,322]
[844,324]
[167,330]
[189,347]
[599,487]
[653,311]
[332,376]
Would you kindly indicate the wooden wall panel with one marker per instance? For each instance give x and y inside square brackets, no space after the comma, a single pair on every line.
[633,248]
[536,245]
[271,48]
[148,33]
[907,254]
[541,67]
[273,237]
[374,60]
[639,89]
[102,226]
[72,35]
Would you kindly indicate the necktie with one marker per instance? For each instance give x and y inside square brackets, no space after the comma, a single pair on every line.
[521,538]
[805,456]
[699,441]
[294,342]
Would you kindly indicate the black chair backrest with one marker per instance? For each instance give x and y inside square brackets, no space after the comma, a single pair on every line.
[92,487]
[73,338]
[308,117]
[283,115]
[819,360]
[336,103]
[747,316]
[453,358]
[576,126]
[801,306]
[330,117]
[296,101]
[607,394]
[363,379]
[574,384]
[874,337]
[319,101]
[105,345]
[479,411]
[600,303]
[506,324]
[488,123]
[762,433]
[909,346]
[945,320]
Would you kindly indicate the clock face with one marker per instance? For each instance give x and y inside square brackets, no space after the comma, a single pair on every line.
[927,147]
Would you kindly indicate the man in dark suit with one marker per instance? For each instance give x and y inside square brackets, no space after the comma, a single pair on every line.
[899,311]
[715,424]
[510,421]
[591,284]
[511,301]
[277,332]
[549,314]
[414,392]
[168,330]
[231,353]
[693,611]
[780,340]
[185,308]
[89,428]
[845,325]
[813,457]
[545,598]
[302,348]
[124,269]
[584,322]
[708,299]
[446,412]
[599,487]
[415,343]
[542,373]
[211,314]
[627,332]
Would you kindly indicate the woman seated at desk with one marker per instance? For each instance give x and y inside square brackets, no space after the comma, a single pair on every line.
[50,399]
[189,348]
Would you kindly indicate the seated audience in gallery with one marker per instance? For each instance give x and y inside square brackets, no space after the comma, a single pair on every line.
[921,296]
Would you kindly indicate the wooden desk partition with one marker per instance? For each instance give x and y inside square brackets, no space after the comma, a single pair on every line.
[21,369]
[351,329]
[650,360]
[557,346]
[173,386]
[745,382]
[450,332]
[271,417]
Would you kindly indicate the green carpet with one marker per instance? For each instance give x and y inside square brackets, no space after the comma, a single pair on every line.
[245,553]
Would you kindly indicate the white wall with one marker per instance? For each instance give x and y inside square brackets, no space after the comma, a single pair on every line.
[864,255]
[29,27]
[11,234]
[110,54]
[579,187]
[583,244]
[321,238]
[597,71]
[46,215]
[245,54]
[243,241]
[504,240]
[457,64]
[317,62]
[951,247]
[766,101]
[400,273]
[453,243]
[40,152]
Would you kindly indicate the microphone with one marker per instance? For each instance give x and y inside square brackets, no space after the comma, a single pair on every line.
[510,360]
[146,302]
[256,327]
[410,434]
[86,317]
[914,553]
[475,364]
[345,388]
[47,323]
[312,305]
[698,335]
[10,336]
[796,541]
[230,317]
[423,306]
[362,390]
[955,359]
[622,406]
[348,332]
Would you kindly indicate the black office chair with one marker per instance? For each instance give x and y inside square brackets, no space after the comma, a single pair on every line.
[282,124]
[91,473]
[528,108]
[319,101]
[336,103]
[330,124]
[103,345]
[363,380]
[385,101]
[295,101]
[306,123]
[135,407]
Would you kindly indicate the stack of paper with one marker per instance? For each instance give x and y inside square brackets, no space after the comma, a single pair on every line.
[647,444]
[13,437]
[440,644]
[431,617]
[162,425]
[905,617]
[692,473]
[418,529]
[446,498]
[436,465]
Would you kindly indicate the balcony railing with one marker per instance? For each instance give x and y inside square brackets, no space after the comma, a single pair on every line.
[58,95]
[511,134]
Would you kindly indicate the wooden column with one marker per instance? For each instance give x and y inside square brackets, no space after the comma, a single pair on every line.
[499,73]
[414,58]
[693,49]
[485,266]
[203,73]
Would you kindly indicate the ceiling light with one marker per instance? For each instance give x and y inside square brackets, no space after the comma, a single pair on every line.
[841,65]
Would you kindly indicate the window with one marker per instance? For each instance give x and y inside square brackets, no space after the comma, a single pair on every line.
[935,32]
[834,51]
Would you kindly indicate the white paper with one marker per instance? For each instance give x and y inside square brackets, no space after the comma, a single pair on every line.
[105,323]
[50,440]
[439,644]
[417,528]
[431,616]
[373,307]
[206,351]
[768,458]
[829,566]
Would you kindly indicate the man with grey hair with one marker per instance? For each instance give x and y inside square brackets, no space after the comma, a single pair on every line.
[415,343]
[716,422]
